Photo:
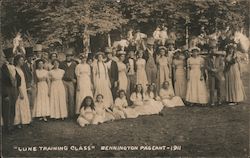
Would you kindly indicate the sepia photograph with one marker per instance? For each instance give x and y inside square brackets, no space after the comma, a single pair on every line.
[125,78]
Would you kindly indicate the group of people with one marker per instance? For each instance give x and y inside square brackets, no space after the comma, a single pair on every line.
[116,84]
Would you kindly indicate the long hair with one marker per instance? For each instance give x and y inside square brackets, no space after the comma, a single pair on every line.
[140,91]
[84,103]
[148,90]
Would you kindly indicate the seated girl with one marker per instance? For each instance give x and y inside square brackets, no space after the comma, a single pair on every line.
[152,100]
[103,113]
[121,107]
[137,96]
[87,112]
[143,105]
[168,97]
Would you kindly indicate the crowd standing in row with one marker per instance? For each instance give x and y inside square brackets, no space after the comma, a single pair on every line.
[116,84]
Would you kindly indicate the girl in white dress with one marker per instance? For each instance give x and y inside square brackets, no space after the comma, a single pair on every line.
[196,86]
[149,105]
[41,104]
[122,69]
[101,80]
[137,96]
[121,107]
[84,85]
[152,100]
[168,97]
[22,112]
[87,112]
[58,108]
[141,76]
[103,113]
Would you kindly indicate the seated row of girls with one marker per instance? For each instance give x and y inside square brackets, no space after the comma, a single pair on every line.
[147,103]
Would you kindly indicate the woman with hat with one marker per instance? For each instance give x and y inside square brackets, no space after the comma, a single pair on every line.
[101,80]
[84,85]
[122,72]
[41,104]
[164,68]
[196,86]
[235,92]
[179,74]
[23,114]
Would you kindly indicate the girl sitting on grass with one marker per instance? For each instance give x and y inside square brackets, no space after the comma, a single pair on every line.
[121,107]
[87,112]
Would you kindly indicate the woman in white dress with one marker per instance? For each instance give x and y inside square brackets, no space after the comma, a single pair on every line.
[22,112]
[164,68]
[141,76]
[168,97]
[41,104]
[103,113]
[122,72]
[84,85]
[58,107]
[121,107]
[101,80]
[196,86]
[87,112]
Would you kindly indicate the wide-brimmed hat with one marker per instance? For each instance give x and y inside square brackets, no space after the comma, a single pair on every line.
[162,48]
[178,50]
[83,55]
[69,52]
[29,52]
[8,53]
[194,48]
[119,53]
[150,41]
[108,50]
[99,53]
[38,48]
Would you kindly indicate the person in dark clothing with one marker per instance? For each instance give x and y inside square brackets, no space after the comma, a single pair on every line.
[10,83]
[69,80]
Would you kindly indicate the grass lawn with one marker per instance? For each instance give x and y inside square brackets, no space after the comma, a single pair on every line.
[200,131]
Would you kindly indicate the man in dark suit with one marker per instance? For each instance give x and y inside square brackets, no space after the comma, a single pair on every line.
[69,80]
[215,66]
[112,71]
[10,83]
[28,70]
[150,56]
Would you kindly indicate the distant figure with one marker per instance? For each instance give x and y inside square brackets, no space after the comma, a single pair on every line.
[163,36]
[18,44]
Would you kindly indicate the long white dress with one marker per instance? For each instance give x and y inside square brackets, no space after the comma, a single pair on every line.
[86,116]
[196,89]
[121,108]
[141,76]
[22,112]
[58,107]
[42,104]
[83,73]
[169,99]
[102,83]
[122,76]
